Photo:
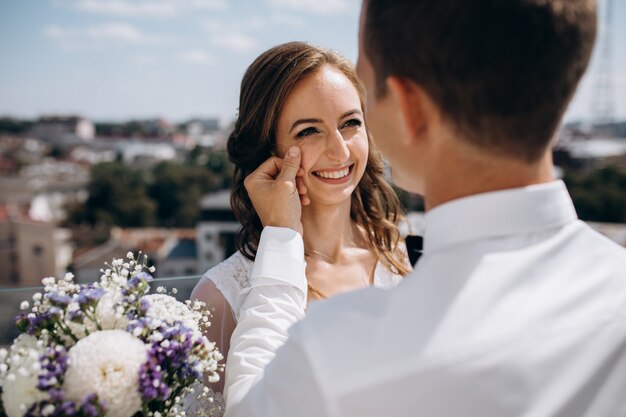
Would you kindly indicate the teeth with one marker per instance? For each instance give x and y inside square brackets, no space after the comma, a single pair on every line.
[334,174]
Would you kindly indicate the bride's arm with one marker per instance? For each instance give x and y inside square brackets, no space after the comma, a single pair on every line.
[222,321]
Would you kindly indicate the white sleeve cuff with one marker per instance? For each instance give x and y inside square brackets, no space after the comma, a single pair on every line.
[279,259]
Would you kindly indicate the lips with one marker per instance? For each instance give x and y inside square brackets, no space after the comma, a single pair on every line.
[335,175]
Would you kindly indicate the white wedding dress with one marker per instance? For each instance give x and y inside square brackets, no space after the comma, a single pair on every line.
[219,287]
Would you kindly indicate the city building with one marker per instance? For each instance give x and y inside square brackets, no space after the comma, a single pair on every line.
[216,231]
[62,130]
[30,250]
[205,132]
[45,188]
[168,250]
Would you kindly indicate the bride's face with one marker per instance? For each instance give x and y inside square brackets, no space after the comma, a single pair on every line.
[322,115]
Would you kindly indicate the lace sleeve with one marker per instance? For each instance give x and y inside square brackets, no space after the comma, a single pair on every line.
[222,321]
[211,403]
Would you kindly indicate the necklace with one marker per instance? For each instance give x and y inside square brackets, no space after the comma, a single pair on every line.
[321,255]
[313,290]
[316,292]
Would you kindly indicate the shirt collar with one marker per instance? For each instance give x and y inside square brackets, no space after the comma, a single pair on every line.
[528,209]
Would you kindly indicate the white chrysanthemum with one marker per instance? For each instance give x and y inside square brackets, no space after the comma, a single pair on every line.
[106,314]
[107,363]
[20,387]
[168,309]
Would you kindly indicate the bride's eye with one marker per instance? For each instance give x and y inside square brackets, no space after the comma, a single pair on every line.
[352,123]
[307,132]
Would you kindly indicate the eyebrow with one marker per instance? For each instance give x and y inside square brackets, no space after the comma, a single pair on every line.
[302,121]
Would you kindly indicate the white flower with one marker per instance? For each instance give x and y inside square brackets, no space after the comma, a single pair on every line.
[24,305]
[168,309]
[47,410]
[107,363]
[106,315]
[22,391]
[106,312]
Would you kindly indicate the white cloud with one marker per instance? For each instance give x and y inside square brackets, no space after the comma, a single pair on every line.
[239,42]
[60,33]
[239,25]
[76,38]
[65,38]
[196,57]
[143,59]
[234,35]
[286,19]
[148,8]
[118,31]
[323,7]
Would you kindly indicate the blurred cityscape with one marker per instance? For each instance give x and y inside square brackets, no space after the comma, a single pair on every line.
[74,193]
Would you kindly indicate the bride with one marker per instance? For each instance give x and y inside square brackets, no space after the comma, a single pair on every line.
[298,94]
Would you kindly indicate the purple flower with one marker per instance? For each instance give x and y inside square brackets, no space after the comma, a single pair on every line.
[24,323]
[76,316]
[144,306]
[90,296]
[54,364]
[144,276]
[59,300]
[54,313]
[152,384]
[31,323]
[138,284]
[90,406]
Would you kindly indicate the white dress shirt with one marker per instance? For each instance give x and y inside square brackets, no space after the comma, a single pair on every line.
[516,308]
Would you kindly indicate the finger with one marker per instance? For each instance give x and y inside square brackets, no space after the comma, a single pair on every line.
[300,185]
[300,172]
[268,169]
[305,200]
[291,164]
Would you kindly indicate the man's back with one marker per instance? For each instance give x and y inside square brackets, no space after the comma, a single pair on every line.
[521,311]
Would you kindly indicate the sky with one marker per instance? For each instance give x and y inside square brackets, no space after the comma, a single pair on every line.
[114,60]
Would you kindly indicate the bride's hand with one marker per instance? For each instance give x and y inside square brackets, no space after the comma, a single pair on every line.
[276,193]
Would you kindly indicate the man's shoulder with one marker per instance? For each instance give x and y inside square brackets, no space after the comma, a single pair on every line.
[340,325]
[598,247]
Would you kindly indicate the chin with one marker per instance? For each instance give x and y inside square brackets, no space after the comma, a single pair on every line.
[334,199]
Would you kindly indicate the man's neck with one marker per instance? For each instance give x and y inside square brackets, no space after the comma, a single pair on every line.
[461,171]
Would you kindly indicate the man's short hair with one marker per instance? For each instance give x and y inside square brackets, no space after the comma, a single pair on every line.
[502,71]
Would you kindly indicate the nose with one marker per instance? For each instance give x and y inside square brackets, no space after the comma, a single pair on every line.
[337,148]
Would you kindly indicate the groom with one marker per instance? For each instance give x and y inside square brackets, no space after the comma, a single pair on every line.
[516,307]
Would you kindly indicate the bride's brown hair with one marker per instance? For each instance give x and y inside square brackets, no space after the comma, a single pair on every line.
[264,89]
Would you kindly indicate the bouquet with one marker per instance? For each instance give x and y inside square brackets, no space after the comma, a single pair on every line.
[106,348]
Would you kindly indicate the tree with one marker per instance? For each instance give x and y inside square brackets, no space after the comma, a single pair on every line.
[118,196]
[177,190]
[599,195]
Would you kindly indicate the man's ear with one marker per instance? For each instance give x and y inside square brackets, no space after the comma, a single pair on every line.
[410,102]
